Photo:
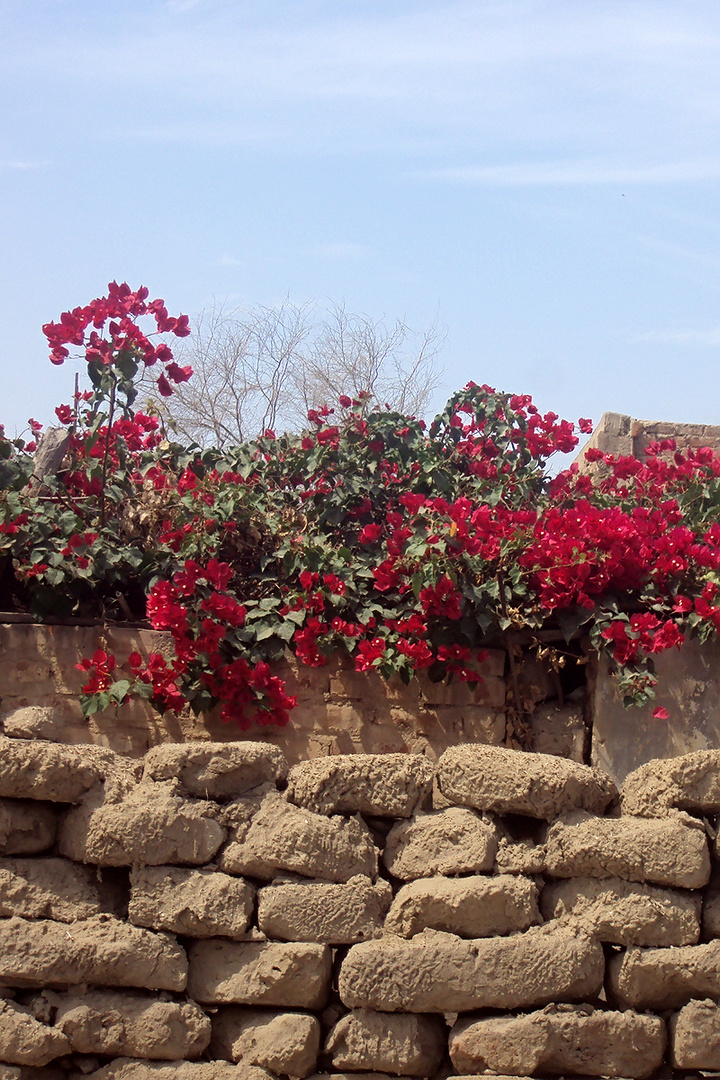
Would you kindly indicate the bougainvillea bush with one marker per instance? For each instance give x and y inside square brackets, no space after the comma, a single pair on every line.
[408,548]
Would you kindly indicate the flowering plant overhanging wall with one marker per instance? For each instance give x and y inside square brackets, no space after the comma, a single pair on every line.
[407,547]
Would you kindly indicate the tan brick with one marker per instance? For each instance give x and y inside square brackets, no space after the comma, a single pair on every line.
[282,837]
[560,1039]
[405,1045]
[153,825]
[695,1037]
[453,841]
[383,785]
[26,1041]
[292,975]
[437,972]
[216,770]
[664,978]
[283,1042]
[49,889]
[625,912]
[130,1024]
[101,950]
[48,772]
[326,912]
[130,1069]
[513,782]
[689,782]
[471,907]
[195,903]
[668,851]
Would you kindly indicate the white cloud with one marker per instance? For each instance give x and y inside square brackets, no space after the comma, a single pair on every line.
[22,166]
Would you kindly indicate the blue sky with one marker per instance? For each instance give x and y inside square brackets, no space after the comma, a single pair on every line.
[540,178]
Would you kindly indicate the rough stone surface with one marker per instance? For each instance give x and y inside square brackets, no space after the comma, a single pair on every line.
[513,782]
[153,825]
[45,771]
[437,972]
[624,912]
[523,857]
[130,1025]
[471,907]
[292,975]
[26,828]
[25,1041]
[282,837]
[560,1040]
[382,785]
[664,978]
[384,1042]
[690,782]
[100,950]
[49,889]
[34,722]
[129,1069]
[283,1042]
[668,851]
[711,914]
[453,841]
[216,770]
[695,1036]
[327,912]
[195,903]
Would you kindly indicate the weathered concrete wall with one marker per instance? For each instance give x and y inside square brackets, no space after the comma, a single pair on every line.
[206,912]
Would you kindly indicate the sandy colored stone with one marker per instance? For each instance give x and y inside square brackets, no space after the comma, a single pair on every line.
[26,827]
[216,770]
[689,782]
[667,851]
[101,950]
[453,841]
[711,914]
[437,972]
[284,1042]
[558,730]
[664,978]
[44,770]
[130,1069]
[625,912]
[282,837]
[355,1076]
[152,825]
[195,903]
[560,1040]
[382,785]
[521,857]
[26,1041]
[695,1036]
[471,907]
[49,889]
[130,1025]
[406,1045]
[327,912]
[514,782]
[34,722]
[289,975]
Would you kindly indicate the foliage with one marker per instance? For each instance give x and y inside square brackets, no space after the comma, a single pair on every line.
[404,547]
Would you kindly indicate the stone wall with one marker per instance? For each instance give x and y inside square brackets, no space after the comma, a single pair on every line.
[339,710]
[617,433]
[205,912]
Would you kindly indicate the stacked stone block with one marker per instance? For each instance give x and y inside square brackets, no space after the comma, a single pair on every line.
[207,913]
